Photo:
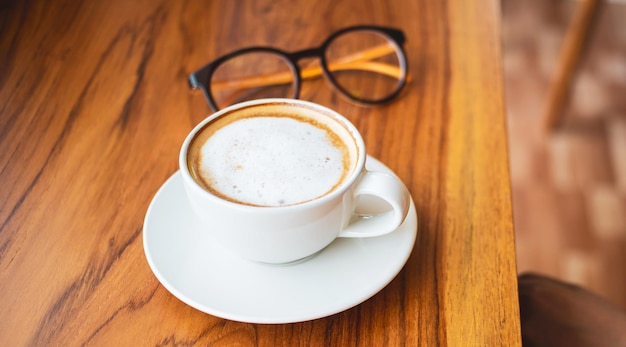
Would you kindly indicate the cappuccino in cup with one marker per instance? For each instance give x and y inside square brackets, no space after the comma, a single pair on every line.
[272,155]
[277,180]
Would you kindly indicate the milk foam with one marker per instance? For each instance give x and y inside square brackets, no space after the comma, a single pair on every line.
[273,161]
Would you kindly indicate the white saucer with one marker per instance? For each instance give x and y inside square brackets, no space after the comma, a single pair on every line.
[213,280]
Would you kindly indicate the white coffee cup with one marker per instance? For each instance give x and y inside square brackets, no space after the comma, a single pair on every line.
[283,201]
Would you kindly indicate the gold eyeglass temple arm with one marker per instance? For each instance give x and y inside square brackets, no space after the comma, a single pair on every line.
[356,61]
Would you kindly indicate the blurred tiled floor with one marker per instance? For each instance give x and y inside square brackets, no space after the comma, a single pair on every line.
[569,185]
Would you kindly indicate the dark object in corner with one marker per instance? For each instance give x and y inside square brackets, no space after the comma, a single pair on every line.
[555,313]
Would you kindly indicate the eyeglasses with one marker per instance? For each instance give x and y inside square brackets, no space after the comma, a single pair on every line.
[367,64]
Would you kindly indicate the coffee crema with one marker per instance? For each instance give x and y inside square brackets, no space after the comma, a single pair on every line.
[272,155]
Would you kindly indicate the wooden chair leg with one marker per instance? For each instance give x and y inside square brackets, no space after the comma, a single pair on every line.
[571,51]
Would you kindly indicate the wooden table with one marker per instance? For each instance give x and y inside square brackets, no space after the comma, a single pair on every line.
[94,106]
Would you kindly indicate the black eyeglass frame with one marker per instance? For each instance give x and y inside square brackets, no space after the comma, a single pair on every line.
[201,78]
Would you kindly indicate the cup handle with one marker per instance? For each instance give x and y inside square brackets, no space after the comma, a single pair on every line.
[391,190]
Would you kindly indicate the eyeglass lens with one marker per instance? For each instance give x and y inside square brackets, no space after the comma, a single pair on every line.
[365,65]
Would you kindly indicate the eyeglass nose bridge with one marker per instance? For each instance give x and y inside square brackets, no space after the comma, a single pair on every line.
[317,52]
[295,57]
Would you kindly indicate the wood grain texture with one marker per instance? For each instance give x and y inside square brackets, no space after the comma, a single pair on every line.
[94,106]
